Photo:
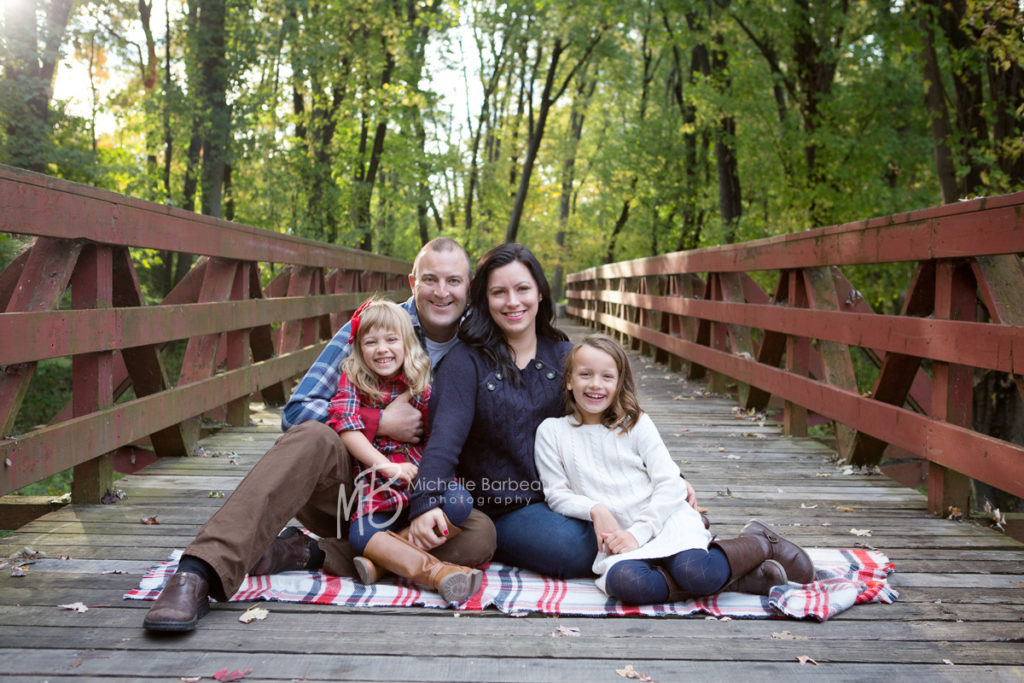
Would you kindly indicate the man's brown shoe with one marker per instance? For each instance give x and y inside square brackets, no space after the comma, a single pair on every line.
[183,601]
[289,552]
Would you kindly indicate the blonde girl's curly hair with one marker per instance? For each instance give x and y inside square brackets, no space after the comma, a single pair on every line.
[624,410]
[380,313]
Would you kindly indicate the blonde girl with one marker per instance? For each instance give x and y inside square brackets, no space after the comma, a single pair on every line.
[605,462]
[386,361]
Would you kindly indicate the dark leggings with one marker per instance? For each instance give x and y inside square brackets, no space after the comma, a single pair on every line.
[698,572]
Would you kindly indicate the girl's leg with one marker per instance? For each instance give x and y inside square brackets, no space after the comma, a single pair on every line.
[536,538]
[361,530]
[699,572]
[636,582]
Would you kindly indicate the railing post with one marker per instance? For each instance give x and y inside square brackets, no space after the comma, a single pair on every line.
[92,373]
[794,416]
[952,385]
[238,348]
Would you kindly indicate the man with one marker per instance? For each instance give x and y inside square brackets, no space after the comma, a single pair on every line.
[308,469]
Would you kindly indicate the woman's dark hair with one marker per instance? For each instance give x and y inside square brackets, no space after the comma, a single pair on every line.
[479,329]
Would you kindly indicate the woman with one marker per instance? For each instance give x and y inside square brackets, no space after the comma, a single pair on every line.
[490,394]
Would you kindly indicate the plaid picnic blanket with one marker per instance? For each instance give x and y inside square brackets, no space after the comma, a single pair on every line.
[843,577]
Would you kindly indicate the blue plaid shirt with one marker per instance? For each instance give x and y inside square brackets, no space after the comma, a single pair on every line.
[312,398]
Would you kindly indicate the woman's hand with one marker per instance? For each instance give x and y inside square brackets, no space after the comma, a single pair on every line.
[429,530]
[620,541]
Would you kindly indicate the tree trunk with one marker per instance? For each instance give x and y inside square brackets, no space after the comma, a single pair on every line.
[213,78]
[935,99]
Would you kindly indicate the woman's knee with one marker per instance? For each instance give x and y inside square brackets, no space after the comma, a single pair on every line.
[636,583]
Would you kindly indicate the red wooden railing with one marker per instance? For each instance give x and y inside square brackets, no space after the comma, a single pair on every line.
[704,308]
[242,338]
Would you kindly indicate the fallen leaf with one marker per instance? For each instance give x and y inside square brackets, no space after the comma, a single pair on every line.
[630,672]
[805,506]
[786,635]
[252,614]
[842,508]
[225,675]
[190,679]
[112,496]
[75,606]
[803,659]
[149,520]
[721,449]
[823,474]
[732,457]
[948,662]
[18,572]
[216,494]
[860,532]
[567,631]
[113,571]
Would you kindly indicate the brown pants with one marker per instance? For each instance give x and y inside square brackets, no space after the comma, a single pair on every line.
[302,476]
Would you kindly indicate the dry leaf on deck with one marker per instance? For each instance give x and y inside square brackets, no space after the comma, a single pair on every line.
[948,662]
[860,532]
[786,635]
[225,675]
[843,508]
[252,614]
[630,672]
[149,520]
[76,606]
[565,631]
[803,659]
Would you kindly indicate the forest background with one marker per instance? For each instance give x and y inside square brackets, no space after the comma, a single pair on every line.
[591,131]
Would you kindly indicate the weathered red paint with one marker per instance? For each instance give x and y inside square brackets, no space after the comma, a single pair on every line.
[962,252]
[114,339]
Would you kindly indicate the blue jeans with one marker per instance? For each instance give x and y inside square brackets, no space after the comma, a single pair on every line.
[457,505]
[536,538]
[698,573]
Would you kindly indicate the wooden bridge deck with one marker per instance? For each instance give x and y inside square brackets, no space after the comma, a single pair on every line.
[960,615]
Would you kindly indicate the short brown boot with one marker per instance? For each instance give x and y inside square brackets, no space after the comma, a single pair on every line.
[287,553]
[182,603]
[760,581]
[793,558]
[394,553]
[369,573]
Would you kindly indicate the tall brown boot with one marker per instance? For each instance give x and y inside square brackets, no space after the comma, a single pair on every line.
[759,581]
[369,573]
[793,558]
[394,553]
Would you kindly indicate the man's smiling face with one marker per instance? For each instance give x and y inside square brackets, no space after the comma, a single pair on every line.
[440,288]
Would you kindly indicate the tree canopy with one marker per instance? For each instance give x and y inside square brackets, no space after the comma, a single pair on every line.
[589,131]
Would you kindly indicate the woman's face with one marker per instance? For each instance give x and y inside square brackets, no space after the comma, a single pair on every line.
[512,299]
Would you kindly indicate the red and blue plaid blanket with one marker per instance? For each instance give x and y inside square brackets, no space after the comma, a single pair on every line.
[843,578]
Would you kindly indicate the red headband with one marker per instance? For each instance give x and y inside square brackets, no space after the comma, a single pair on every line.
[354,324]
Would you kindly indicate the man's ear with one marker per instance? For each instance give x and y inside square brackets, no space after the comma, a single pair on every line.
[412,282]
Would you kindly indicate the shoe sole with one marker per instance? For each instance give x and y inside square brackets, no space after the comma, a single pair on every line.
[364,568]
[178,626]
[457,587]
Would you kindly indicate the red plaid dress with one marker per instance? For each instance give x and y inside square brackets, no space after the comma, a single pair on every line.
[375,493]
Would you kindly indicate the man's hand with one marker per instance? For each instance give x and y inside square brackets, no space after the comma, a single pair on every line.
[429,530]
[401,421]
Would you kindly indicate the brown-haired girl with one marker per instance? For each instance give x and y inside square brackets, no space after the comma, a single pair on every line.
[606,462]
[386,361]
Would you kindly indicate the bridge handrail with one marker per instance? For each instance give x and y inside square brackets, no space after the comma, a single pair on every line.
[242,338]
[703,308]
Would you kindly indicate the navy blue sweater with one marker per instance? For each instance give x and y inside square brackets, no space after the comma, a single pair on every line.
[482,429]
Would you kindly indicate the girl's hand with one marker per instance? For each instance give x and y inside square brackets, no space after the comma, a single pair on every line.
[405,471]
[604,525]
[620,541]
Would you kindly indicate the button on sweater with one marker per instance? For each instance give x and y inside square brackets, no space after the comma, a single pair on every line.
[482,429]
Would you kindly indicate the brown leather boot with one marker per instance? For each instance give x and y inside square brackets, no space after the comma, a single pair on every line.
[182,603]
[793,558]
[394,553]
[675,593]
[369,573]
[760,580]
[288,552]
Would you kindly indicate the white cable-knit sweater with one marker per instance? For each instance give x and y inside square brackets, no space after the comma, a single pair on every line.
[632,474]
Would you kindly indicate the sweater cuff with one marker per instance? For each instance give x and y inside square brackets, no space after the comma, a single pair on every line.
[642,532]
